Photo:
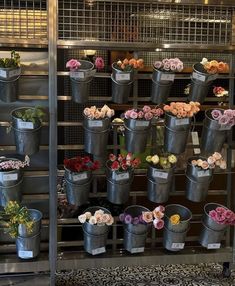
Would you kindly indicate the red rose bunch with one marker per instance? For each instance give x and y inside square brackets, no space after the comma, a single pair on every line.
[123,163]
[80,164]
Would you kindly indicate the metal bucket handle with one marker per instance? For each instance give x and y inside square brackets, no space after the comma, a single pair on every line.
[1,80]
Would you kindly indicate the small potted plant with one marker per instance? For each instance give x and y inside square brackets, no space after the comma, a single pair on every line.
[9,74]
[78,177]
[26,124]
[120,172]
[160,176]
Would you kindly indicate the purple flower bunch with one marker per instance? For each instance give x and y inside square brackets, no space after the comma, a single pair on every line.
[145,113]
[225,118]
[169,65]
[222,215]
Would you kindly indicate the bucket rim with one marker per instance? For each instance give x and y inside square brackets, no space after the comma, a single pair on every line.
[120,71]
[211,203]
[136,206]
[97,208]
[38,212]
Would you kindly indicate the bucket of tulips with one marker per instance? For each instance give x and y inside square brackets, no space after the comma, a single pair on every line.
[215,221]
[137,220]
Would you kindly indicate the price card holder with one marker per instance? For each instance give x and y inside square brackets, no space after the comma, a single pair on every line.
[95,123]
[199,76]
[195,141]
[25,254]
[122,76]
[25,125]
[77,75]
[137,250]
[98,250]
[178,245]
[157,174]
[167,76]
[122,176]
[78,177]
[142,123]
[213,245]
[10,177]
[183,121]
[205,173]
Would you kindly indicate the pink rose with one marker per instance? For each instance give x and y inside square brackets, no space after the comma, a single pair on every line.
[140,114]
[133,114]
[167,66]
[73,64]
[179,67]
[224,120]
[216,114]
[173,67]
[127,114]
[164,61]
[99,63]
[112,157]
[157,64]
[148,116]
[146,109]
[228,214]
[213,214]
[158,223]
[220,210]
[115,166]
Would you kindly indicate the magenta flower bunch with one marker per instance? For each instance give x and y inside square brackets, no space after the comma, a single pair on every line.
[154,217]
[13,164]
[73,65]
[225,118]
[222,215]
[145,113]
[169,65]
[212,161]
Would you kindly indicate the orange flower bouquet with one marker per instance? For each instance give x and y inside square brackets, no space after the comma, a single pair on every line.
[182,109]
[128,65]
[213,67]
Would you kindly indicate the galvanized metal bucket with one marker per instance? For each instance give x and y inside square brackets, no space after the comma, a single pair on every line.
[210,238]
[77,194]
[173,241]
[36,216]
[120,91]
[77,177]
[80,90]
[28,247]
[185,217]
[95,244]
[196,173]
[122,77]
[10,178]
[134,243]
[11,193]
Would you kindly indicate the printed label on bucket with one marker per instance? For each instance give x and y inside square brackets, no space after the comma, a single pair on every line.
[157,174]
[95,123]
[183,121]
[122,76]
[225,127]
[98,250]
[10,177]
[25,254]
[137,250]
[168,76]
[26,125]
[178,245]
[78,177]
[205,173]
[199,76]
[213,245]
[78,75]
[142,123]
[3,73]
[123,176]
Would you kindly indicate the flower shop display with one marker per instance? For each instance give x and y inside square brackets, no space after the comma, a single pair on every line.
[177,125]
[26,123]
[215,126]
[137,123]
[11,178]
[163,78]
[25,225]
[204,73]
[123,77]
[136,222]
[177,222]
[96,126]
[78,177]
[96,222]
[199,174]
[10,72]
[120,173]
[160,175]
[215,221]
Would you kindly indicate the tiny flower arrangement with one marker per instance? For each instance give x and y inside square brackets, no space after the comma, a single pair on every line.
[182,109]
[187,89]
[74,65]
[154,217]
[94,112]
[222,215]
[99,218]
[9,165]
[12,62]
[128,65]
[123,163]
[162,161]
[80,164]
[145,113]
[211,162]
[169,65]
[219,91]
[227,118]
[213,67]
[175,219]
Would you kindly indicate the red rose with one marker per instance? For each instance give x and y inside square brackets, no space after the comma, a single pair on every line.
[86,159]
[115,166]
[112,157]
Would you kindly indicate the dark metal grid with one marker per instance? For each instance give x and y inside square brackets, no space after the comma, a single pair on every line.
[23,19]
[144,22]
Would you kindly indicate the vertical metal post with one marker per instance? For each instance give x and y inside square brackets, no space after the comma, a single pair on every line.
[52,59]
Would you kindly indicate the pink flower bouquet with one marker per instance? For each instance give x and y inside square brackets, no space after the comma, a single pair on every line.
[13,164]
[94,112]
[215,160]
[99,218]
[225,118]
[222,215]
[145,113]
[123,163]
[169,65]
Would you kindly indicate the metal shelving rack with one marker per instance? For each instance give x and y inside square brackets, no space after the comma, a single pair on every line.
[150,29]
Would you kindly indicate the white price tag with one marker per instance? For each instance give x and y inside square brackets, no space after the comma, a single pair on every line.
[123,176]
[225,127]
[195,141]
[14,73]
[25,125]
[168,76]
[177,245]
[183,121]
[10,177]
[79,177]
[157,174]
[98,250]
[140,123]
[205,173]
[199,76]
[3,73]
[78,74]
[95,123]
[213,245]
[122,76]
[137,250]
[25,254]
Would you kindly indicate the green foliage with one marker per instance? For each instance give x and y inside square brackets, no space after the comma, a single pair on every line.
[31,114]
[12,62]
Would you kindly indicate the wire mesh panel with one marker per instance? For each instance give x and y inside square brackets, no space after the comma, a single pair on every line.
[144,22]
[23,19]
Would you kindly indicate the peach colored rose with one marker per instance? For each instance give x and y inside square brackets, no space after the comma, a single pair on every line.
[88,214]
[211,160]
[101,212]
[92,220]
[99,218]
[105,218]
[223,164]
[194,162]
[147,216]
[158,214]
[217,156]
[205,165]
[110,221]
[199,162]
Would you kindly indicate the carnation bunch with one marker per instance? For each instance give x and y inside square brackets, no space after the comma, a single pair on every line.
[164,161]
[99,218]
[123,163]
[222,215]
[94,112]
[219,91]
[173,65]
[154,217]
[128,65]
[13,164]
[213,67]
[145,113]
[182,109]
[212,161]
[225,118]
[80,164]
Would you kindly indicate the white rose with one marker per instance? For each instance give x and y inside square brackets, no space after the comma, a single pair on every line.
[92,220]
[82,218]
[155,159]
[204,61]
[98,212]
[88,214]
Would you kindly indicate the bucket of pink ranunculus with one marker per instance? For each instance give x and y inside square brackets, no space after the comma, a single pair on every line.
[137,221]
[215,221]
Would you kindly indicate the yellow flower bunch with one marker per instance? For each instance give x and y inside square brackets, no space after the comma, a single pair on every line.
[175,219]
[162,161]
